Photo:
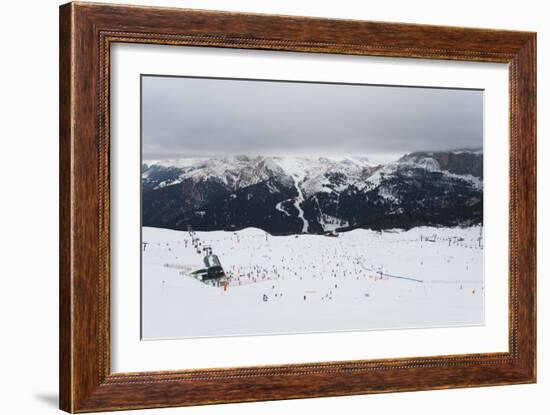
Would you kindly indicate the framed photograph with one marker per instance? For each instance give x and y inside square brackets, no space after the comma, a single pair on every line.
[259,207]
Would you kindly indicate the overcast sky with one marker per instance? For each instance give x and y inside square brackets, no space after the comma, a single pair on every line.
[215,117]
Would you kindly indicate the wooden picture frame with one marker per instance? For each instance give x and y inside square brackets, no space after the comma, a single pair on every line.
[86,33]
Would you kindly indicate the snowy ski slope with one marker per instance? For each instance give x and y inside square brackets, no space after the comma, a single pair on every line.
[361,280]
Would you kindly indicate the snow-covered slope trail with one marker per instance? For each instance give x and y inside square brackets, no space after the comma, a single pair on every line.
[297,202]
[280,208]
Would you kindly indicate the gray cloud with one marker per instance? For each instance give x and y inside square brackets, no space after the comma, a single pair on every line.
[213,117]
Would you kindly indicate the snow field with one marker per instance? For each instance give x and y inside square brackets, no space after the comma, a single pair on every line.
[361,280]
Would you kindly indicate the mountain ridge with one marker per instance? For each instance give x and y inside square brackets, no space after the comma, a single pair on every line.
[292,195]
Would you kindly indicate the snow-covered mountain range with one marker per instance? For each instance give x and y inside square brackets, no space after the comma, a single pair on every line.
[287,195]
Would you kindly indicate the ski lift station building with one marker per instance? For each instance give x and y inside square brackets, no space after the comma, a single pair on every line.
[211,261]
[213,266]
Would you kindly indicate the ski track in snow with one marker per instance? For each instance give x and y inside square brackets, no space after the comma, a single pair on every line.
[297,202]
[279,207]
